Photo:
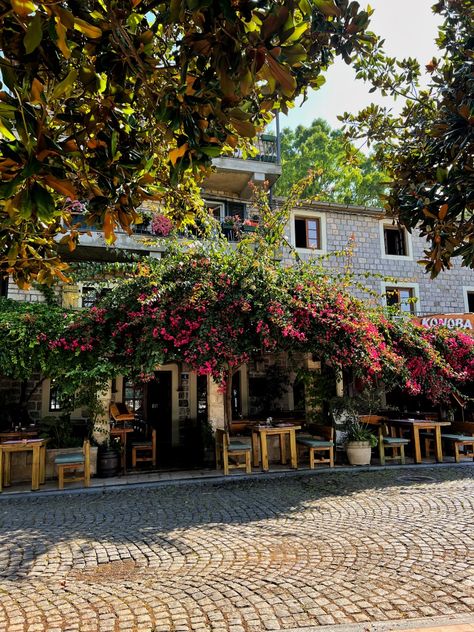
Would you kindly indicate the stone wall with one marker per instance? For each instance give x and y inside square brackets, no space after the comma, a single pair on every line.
[444,294]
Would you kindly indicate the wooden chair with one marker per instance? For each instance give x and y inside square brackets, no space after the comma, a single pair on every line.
[120,413]
[144,451]
[322,443]
[228,452]
[72,463]
[386,440]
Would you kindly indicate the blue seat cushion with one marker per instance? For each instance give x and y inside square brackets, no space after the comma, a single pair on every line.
[237,446]
[65,459]
[456,437]
[314,443]
[395,441]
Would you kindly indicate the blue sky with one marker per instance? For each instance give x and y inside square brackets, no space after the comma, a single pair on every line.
[409,29]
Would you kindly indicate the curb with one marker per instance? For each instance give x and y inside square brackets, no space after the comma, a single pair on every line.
[219,479]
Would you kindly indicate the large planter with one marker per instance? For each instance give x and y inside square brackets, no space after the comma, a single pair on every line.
[108,462]
[359,452]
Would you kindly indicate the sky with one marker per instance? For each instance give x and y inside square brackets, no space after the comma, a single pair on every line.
[409,29]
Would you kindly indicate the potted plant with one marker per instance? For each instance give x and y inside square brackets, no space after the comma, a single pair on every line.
[250,225]
[359,441]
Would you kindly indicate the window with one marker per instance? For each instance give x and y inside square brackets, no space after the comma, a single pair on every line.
[468,299]
[54,401]
[395,242]
[133,396]
[92,294]
[4,286]
[216,209]
[401,297]
[308,232]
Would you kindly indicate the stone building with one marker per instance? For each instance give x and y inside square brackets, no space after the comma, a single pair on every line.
[180,402]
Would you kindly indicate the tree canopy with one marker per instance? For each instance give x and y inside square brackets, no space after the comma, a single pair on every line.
[340,173]
[428,151]
[113,103]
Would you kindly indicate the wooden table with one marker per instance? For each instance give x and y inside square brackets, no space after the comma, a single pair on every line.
[14,435]
[38,467]
[260,435]
[122,433]
[415,425]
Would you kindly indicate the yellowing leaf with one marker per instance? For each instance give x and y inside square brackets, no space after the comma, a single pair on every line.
[179,152]
[89,30]
[4,131]
[37,89]
[61,42]
[109,234]
[443,211]
[23,7]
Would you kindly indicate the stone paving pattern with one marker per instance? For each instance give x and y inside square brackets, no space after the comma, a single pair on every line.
[240,556]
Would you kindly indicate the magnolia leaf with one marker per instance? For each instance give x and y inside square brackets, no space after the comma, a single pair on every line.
[244,128]
[43,201]
[61,186]
[23,7]
[65,86]
[328,8]
[89,30]
[61,42]
[37,89]
[109,234]
[34,34]
[179,152]
[4,131]
[443,211]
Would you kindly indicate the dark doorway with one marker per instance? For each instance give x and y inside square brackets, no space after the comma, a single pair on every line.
[236,396]
[159,411]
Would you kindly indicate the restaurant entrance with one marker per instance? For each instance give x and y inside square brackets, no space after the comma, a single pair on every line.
[159,410]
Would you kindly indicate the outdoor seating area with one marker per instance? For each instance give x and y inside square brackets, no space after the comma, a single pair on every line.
[274,444]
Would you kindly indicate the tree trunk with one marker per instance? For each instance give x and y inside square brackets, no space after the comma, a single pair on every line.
[228,400]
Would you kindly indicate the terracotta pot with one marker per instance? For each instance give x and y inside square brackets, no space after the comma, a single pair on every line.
[358,452]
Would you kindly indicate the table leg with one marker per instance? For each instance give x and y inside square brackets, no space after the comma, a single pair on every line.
[42,476]
[7,467]
[35,468]
[1,469]
[125,453]
[282,438]
[416,444]
[293,453]
[438,445]
[264,450]
[255,454]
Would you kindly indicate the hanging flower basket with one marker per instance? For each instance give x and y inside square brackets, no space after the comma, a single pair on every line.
[161,225]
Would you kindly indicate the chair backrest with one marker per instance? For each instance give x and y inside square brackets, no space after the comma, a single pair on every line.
[372,420]
[327,432]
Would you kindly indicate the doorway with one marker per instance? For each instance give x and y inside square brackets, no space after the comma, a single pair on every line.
[159,405]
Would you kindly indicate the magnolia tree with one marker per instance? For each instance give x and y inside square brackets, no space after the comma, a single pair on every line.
[114,103]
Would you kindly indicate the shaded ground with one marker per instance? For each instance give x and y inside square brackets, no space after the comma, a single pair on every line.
[241,556]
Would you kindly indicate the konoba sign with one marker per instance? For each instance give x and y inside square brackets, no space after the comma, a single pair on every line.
[451,321]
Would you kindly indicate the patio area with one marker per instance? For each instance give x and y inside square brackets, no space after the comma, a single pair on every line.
[270,552]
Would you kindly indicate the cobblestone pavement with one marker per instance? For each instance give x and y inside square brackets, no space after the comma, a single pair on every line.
[240,556]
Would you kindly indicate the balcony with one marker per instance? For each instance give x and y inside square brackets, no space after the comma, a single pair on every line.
[233,175]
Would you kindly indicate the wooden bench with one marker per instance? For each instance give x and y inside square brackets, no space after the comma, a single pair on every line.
[322,443]
[229,451]
[461,434]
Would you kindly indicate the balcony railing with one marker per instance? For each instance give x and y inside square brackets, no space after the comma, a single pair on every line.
[268,149]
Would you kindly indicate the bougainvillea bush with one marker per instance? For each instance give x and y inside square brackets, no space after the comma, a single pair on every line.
[216,310]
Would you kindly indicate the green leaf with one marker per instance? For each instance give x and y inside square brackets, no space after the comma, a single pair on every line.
[34,34]
[44,202]
[66,85]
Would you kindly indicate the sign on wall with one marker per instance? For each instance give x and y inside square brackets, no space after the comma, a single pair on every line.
[451,321]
